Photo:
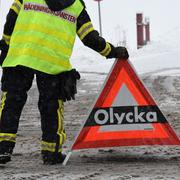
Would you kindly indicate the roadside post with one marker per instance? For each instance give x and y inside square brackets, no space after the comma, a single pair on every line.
[99,12]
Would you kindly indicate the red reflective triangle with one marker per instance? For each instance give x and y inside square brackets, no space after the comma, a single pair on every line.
[138,122]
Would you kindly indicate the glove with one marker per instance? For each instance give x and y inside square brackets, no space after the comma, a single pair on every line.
[118,52]
[68,82]
[4,49]
[121,52]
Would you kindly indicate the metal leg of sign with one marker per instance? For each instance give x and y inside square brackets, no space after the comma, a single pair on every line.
[67,158]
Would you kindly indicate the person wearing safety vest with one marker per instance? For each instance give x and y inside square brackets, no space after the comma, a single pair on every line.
[38,40]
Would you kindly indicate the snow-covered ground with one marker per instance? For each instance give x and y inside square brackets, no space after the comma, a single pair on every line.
[155,58]
[161,56]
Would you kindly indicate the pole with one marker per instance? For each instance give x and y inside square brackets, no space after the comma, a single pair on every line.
[100,24]
[67,158]
[147,29]
[140,30]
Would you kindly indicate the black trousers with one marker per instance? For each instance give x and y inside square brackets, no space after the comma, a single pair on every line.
[16,81]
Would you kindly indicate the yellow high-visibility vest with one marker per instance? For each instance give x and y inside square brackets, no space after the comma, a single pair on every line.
[43,39]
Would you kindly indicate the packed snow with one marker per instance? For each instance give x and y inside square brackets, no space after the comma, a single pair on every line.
[155,58]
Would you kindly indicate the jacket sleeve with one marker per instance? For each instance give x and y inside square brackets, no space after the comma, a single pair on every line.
[90,37]
[8,28]
[10,21]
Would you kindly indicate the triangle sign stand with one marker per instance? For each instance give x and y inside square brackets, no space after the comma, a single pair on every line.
[124,114]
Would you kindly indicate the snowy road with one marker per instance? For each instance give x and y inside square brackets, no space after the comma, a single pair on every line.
[161,162]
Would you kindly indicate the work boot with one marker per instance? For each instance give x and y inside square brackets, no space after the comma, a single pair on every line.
[50,158]
[5,154]
[4,158]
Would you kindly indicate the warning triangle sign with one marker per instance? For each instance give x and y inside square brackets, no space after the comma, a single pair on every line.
[125,114]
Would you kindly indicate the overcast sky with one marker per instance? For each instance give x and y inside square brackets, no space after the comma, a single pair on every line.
[120,15]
